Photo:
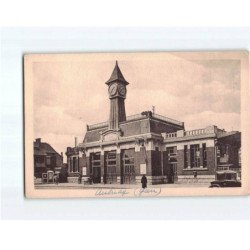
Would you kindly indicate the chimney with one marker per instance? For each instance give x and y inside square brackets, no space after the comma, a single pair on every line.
[62,155]
[38,141]
[153,110]
[76,142]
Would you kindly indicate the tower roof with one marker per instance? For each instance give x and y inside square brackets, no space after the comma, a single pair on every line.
[116,76]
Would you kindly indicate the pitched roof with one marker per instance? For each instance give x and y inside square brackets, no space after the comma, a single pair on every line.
[43,148]
[226,134]
[48,148]
[39,151]
[232,137]
[140,125]
[116,76]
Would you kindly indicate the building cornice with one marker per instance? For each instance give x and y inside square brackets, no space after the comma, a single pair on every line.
[121,140]
[189,138]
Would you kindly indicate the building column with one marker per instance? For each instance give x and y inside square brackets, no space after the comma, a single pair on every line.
[88,166]
[189,156]
[78,164]
[118,165]
[162,168]
[201,155]
[118,168]
[102,166]
[165,163]
[68,163]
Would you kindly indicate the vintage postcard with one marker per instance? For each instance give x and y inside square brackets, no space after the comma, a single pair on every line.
[136,124]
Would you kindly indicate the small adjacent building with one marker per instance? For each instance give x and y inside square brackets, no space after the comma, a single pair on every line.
[124,148]
[196,155]
[229,152]
[45,158]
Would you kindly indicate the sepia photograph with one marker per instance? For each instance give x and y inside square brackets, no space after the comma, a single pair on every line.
[134,124]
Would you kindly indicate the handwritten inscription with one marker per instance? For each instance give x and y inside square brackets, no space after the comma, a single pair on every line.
[147,192]
[111,192]
[138,192]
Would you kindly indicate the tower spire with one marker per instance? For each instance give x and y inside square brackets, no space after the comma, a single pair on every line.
[117,94]
[116,75]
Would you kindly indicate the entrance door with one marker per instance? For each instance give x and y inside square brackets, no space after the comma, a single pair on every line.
[128,166]
[173,173]
[111,175]
[95,165]
[96,174]
[129,174]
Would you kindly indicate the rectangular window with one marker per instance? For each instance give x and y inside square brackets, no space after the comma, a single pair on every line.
[84,171]
[75,164]
[96,163]
[204,153]
[111,158]
[171,150]
[71,164]
[195,155]
[172,154]
[111,155]
[96,156]
[48,160]
[185,156]
[39,159]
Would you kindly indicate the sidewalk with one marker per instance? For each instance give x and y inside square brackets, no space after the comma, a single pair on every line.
[113,186]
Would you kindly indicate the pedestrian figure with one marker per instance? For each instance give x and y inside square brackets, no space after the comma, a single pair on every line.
[57,179]
[79,178]
[144,181]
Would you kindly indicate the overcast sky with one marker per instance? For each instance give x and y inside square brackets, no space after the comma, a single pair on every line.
[70,93]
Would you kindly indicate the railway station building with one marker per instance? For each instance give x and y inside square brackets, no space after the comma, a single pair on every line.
[124,148]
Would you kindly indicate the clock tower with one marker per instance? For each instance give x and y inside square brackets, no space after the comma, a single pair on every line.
[117,94]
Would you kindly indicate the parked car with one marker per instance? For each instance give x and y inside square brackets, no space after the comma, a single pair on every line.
[227,178]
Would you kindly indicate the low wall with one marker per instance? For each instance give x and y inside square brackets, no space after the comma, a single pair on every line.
[153,180]
[72,179]
[199,179]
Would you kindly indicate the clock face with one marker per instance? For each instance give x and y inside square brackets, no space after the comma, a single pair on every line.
[122,90]
[112,89]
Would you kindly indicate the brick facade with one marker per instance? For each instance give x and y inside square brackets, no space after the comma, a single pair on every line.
[209,170]
[159,168]
[147,138]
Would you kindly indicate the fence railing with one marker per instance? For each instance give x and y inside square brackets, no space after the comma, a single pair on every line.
[195,132]
[170,135]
